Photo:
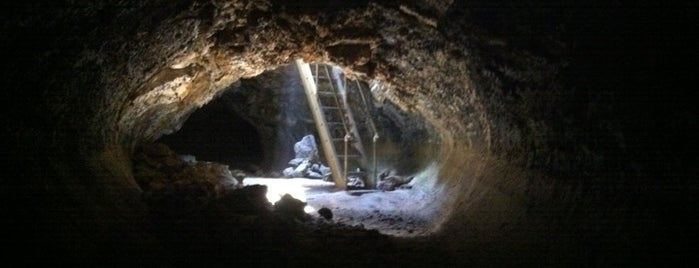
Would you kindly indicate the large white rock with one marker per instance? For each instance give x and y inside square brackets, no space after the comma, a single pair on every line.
[306,148]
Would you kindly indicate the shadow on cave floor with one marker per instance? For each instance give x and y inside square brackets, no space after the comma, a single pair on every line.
[202,216]
[239,230]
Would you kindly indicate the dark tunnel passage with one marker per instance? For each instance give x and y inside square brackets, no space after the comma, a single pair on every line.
[216,133]
[538,134]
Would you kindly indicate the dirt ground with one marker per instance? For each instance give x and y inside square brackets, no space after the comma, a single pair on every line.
[398,213]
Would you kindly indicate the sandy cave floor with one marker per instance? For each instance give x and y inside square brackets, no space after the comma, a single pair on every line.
[397,213]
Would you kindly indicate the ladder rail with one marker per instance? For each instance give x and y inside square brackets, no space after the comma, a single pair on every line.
[375,137]
[328,82]
[353,129]
[342,114]
[335,98]
[357,141]
[365,105]
[312,96]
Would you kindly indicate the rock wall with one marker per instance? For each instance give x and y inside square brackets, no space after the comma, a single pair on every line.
[538,123]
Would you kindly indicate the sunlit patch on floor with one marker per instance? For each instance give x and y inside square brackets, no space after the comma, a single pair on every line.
[404,212]
[299,188]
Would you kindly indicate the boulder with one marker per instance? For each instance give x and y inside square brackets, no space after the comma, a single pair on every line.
[355,182]
[288,172]
[306,148]
[290,207]
[295,162]
[314,175]
[301,168]
[326,213]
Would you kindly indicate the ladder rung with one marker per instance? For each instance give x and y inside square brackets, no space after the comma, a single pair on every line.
[326,93]
[324,83]
[330,107]
[342,137]
[349,156]
[336,130]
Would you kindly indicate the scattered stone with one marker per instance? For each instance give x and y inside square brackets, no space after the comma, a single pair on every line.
[326,213]
[355,182]
[249,200]
[288,172]
[306,164]
[389,181]
[314,175]
[295,161]
[291,207]
[319,171]
[301,168]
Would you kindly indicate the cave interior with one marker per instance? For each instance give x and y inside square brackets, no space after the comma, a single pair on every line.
[159,133]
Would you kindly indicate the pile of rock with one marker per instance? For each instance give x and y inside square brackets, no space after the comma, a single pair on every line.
[355,180]
[389,181]
[249,200]
[291,208]
[305,163]
[180,183]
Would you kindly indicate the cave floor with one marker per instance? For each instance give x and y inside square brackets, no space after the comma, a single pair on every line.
[397,213]
[369,228]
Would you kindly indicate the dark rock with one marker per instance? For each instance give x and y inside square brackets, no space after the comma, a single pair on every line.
[326,213]
[388,181]
[249,200]
[291,207]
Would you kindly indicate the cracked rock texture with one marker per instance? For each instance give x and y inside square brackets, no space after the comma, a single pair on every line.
[562,128]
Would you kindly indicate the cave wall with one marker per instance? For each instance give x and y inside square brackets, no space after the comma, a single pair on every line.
[537,121]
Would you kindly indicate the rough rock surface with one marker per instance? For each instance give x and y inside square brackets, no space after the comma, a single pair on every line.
[562,129]
[290,207]
[306,148]
[168,180]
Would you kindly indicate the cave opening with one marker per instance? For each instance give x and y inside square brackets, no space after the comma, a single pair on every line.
[252,128]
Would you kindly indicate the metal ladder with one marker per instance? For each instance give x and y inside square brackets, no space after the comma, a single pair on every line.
[339,136]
